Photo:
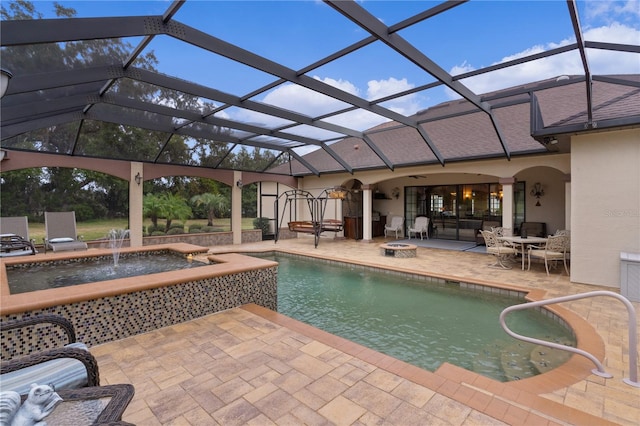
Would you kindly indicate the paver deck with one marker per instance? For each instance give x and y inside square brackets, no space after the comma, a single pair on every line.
[253,366]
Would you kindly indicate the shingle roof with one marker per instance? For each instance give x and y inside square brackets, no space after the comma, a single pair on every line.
[460,132]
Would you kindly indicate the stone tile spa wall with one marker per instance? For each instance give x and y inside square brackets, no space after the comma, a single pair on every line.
[116,317]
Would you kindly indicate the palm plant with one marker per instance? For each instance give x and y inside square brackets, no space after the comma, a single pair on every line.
[167,206]
[212,203]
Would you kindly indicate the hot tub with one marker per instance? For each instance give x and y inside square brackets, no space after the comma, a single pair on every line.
[115,309]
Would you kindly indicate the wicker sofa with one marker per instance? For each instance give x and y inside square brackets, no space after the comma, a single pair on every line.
[68,367]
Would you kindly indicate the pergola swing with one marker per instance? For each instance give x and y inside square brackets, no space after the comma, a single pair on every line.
[317,207]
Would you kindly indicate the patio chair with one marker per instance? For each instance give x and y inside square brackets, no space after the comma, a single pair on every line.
[502,232]
[503,252]
[394,226]
[507,232]
[15,240]
[420,226]
[61,234]
[554,249]
[67,367]
[566,233]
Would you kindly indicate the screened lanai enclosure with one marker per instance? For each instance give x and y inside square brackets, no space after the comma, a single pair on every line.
[271,89]
[263,92]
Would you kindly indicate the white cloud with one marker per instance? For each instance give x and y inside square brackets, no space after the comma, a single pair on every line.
[405,105]
[600,61]
[380,88]
[297,98]
[607,11]
[308,102]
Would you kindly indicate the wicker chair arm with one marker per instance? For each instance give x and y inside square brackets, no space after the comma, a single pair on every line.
[89,361]
[62,322]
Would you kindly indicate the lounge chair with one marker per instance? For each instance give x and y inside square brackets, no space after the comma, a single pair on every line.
[67,367]
[14,236]
[394,226]
[420,226]
[61,234]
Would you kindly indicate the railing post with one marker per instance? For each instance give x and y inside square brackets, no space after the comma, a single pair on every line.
[633,333]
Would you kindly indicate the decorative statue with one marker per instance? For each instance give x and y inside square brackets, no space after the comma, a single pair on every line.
[40,402]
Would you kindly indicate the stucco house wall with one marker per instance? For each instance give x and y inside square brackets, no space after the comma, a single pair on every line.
[605,193]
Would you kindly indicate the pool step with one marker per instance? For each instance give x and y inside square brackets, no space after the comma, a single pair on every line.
[519,360]
[511,361]
[516,361]
[544,359]
[488,361]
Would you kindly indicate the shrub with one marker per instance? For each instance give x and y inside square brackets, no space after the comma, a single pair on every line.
[83,212]
[261,223]
[177,226]
[195,227]
[210,229]
[157,234]
[175,231]
[195,230]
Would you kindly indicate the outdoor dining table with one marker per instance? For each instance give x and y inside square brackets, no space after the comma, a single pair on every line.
[524,242]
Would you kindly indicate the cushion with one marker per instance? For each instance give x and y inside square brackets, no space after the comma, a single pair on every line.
[61,240]
[63,373]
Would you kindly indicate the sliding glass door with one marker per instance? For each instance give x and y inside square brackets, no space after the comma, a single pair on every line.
[457,212]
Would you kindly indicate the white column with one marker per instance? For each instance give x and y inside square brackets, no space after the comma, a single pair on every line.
[236,208]
[136,195]
[567,202]
[339,215]
[507,201]
[367,206]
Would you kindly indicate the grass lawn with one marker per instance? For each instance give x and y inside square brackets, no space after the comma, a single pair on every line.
[96,229]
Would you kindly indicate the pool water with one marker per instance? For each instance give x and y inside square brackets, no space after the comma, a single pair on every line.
[421,322]
[42,276]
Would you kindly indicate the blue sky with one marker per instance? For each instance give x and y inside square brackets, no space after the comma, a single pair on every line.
[296,33]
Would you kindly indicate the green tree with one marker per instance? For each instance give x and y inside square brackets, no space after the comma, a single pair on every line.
[167,206]
[21,194]
[212,203]
[152,208]
[250,200]
[95,194]
[175,207]
[98,194]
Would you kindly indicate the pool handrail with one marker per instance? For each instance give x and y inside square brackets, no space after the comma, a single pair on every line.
[599,371]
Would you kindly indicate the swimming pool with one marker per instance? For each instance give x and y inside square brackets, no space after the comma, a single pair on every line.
[421,322]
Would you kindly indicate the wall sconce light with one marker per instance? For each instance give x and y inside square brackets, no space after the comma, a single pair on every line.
[239,184]
[138,178]
[395,192]
[537,192]
[4,155]
[550,140]
[5,76]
